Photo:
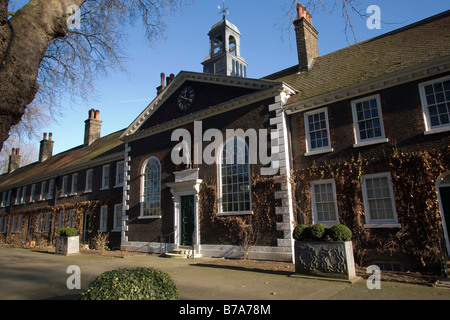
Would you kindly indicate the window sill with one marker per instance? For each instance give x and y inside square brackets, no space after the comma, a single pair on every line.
[437,130]
[150,217]
[318,151]
[382,225]
[234,213]
[370,142]
[104,188]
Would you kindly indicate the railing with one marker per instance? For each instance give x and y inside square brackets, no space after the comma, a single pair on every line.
[165,239]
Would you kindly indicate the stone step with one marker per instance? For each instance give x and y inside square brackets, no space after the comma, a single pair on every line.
[183,253]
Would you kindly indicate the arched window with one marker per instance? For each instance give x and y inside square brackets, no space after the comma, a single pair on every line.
[232,45]
[217,45]
[234,177]
[151,188]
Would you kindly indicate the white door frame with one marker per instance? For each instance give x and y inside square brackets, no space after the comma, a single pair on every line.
[441,184]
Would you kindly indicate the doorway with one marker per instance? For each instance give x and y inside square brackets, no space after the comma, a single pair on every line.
[443,186]
[187,220]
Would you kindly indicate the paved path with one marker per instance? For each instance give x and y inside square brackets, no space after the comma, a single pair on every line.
[28,275]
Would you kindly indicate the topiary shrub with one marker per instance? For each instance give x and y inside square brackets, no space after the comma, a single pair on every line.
[317,231]
[132,284]
[301,232]
[340,232]
[67,232]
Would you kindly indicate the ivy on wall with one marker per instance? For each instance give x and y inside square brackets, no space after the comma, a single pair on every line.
[414,176]
[256,229]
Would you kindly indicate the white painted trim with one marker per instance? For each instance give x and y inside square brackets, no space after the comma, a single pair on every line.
[426,115]
[141,192]
[309,150]
[388,223]
[313,202]
[358,141]
[440,184]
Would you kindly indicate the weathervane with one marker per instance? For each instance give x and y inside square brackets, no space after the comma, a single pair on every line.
[223,10]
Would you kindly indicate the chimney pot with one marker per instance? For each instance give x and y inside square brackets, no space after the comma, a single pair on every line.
[45,136]
[17,151]
[50,136]
[97,114]
[163,76]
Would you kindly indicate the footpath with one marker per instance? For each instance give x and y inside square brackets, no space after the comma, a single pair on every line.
[31,275]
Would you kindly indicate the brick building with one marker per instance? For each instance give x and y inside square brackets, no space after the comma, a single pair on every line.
[358,136]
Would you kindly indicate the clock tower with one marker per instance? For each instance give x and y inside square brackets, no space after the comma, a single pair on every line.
[225,50]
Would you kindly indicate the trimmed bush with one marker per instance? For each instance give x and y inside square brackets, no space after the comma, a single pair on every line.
[301,232]
[340,232]
[67,232]
[317,231]
[132,284]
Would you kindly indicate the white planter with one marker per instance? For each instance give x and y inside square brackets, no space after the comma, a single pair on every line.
[327,259]
[67,245]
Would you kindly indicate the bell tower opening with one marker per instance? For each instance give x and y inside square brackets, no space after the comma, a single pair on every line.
[225,50]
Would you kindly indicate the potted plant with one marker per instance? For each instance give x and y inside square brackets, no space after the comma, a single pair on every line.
[67,241]
[322,251]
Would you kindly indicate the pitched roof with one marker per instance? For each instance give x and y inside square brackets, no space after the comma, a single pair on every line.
[404,48]
[65,162]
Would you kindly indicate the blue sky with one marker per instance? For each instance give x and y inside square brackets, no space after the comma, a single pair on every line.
[266,48]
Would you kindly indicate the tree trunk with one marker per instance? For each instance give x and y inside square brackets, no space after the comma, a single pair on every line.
[24,40]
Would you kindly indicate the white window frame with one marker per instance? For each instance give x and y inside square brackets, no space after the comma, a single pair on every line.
[309,150]
[51,184]
[61,219]
[48,217]
[89,176]
[71,217]
[369,141]
[18,195]
[378,223]
[105,177]
[32,193]
[117,217]
[74,185]
[103,219]
[8,200]
[39,223]
[426,115]
[314,202]
[43,187]
[120,166]
[4,196]
[65,186]
[222,149]
[143,177]
[24,192]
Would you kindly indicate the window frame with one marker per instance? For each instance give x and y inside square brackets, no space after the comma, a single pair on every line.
[142,195]
[74,185]
[379,223]
[309,150]
[426,114]
[117,215]
[106,175]
[221,150]
[89,180]
[120,167]
[368,141]
[314,202]
[65,186]
[103,225]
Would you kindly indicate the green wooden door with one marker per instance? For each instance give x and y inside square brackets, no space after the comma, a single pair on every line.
[187,220]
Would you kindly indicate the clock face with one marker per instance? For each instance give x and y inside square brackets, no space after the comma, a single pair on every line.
[186,98]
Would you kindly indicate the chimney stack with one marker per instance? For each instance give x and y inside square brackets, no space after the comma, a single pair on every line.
[93,127]
[306,35]
[46,150]
[14,160]
[163,84]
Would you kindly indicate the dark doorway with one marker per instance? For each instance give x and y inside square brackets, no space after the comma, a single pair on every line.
[187,220]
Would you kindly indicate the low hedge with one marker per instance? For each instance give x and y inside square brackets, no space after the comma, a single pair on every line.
[132,284]
[67,232]
[319,232]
